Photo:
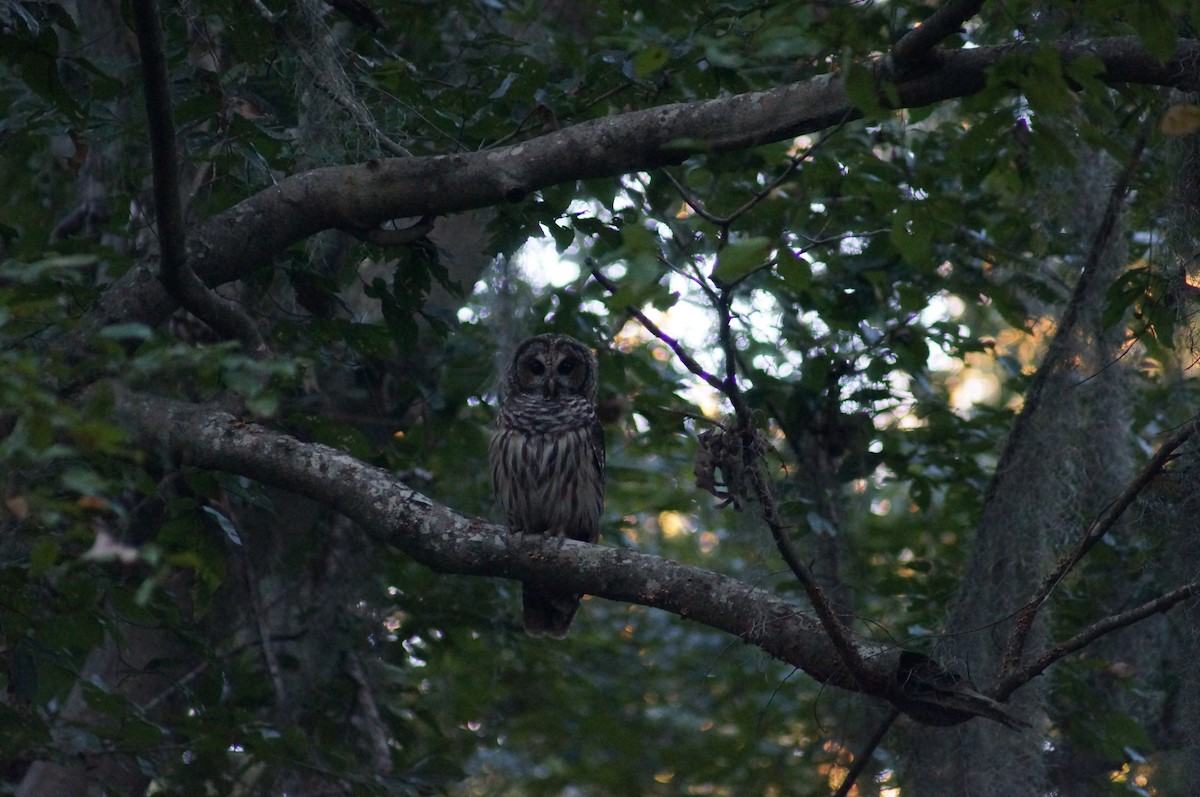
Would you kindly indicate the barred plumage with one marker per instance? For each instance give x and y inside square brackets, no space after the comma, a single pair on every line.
[547,457]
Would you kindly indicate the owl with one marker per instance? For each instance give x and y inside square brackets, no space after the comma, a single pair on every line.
[547,457]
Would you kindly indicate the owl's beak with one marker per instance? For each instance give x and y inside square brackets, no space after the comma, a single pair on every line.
[552,388]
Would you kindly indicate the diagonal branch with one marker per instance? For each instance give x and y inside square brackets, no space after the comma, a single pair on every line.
[866,754]
[449,542]
[1100,526]
[794,163]
[1013,680]
[1060,345]
[685,357]
[174,273]
[848,651]
[1059,352]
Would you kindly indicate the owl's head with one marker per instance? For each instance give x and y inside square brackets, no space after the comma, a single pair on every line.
[552,366]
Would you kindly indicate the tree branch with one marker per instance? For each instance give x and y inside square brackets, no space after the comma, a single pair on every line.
[685,357]
[1059,352]
[864,756]
[254,232]
[174,273]
[1099,527]
[1012,681]
[449,542]
[746,435]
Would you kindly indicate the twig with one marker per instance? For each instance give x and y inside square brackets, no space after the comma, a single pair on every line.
[349,104]
[830,620]
[1012,681]
[816,243]
[688,361]
[1060,344]
[174,273]
[694,202]
[359,14]
[724,222]
[1099,527]
[838,633]
[1058,352]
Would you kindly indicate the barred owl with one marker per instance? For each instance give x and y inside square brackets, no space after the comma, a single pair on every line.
[547,457]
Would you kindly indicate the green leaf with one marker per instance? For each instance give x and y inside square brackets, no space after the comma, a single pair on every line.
[225,523]
[43,556]
[794,270]
[564,236]
[131,331]
[650,59]
[862,89]
[741,257]
[1043,84]
[504,86]
[338,435]
[1155,26]
[23,674]
[911,235]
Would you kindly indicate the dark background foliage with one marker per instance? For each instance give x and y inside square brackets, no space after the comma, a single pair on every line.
[960,330]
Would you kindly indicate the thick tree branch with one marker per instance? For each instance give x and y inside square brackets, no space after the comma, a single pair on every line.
[251,234]
[449,542]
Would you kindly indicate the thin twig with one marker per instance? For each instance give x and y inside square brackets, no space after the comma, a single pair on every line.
[1011,682]
[724,222]
[694,203]
[360,14]
[839,634]
[831,621]
[688,361]
[1099,527]
[1060,344]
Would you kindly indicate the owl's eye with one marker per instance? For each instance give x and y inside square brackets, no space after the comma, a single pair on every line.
[566,366]
[536,367]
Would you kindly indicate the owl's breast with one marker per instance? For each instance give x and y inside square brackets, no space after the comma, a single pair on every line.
[547,467]
[535,414]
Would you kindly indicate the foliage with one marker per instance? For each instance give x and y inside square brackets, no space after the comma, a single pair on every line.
[865,275]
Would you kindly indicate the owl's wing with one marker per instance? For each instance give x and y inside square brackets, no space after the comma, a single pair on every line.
[598,453]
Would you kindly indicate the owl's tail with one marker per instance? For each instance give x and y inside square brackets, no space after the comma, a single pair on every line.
[549,613]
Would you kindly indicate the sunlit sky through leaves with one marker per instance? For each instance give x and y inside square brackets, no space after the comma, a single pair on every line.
[691,323]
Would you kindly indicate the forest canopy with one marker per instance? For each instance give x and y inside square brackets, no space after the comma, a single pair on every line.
[893,308]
